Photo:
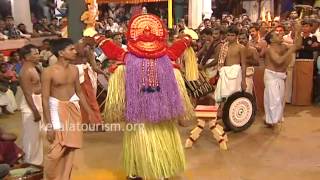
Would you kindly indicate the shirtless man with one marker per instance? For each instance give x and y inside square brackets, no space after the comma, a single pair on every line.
[256,40]
[276,62]
[31,108]
[88,68]
[210,56]
[252,59]
[61,96]
[232,67]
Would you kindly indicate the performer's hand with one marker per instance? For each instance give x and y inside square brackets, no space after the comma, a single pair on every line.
[51,134]
[243,85]
[37,116]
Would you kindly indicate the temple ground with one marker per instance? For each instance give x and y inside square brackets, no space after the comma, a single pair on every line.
[289,152]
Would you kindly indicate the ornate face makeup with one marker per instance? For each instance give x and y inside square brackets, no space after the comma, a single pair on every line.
[147,36]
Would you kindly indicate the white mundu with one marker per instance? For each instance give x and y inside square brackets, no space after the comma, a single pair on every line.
[229,82]
[274,94]
[32,138]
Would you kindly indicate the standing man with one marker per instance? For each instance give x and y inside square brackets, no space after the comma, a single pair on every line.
[88,70]
[232,67]
[276,62]
[61,96]
[209,59]
[252,59]
[304,67]
[256,40]
[31,108]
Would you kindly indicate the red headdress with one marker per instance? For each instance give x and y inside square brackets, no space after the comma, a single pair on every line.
[147,36]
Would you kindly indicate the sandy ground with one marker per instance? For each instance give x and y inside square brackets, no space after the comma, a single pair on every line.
[290,152]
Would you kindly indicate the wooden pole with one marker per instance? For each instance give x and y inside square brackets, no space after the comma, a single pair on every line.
[75,26]
[170,16]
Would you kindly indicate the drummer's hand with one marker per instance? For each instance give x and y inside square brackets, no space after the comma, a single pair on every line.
[51,134]
[243,85]
[200,67]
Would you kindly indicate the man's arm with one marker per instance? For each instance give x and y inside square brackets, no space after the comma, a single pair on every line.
[255,57]
[279,60]
[93,63]
[45,88]
[79,93]
[243,67]
[215,56]
[25,83]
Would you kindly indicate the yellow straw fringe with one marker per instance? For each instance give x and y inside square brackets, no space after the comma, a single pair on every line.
[153,151]
[192,73]
[115,102]
[188,107]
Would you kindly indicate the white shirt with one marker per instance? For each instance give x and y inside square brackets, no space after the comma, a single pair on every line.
[113,28]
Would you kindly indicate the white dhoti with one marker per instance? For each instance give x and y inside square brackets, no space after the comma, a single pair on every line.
[31,135]
[249,79]
[229,82]
[4,101]
[274,94]
[19,96]
[12,106]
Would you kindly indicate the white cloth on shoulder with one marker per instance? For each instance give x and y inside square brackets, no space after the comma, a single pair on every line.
[229,82]
[92,74]
[274,94]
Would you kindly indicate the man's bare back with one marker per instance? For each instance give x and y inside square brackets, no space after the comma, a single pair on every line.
[31,78]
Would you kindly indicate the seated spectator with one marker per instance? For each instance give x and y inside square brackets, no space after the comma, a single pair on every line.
[48,57]
[55,23]
[10,153]
[38,30]
[15,62]
[53,30]
[111,25]
[11,31]
[2,29]
[23,30]
[5,102]
[9,76]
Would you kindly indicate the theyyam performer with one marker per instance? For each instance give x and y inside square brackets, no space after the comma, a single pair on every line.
[144,90]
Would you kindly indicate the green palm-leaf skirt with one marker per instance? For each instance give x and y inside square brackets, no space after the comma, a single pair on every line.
[153,151]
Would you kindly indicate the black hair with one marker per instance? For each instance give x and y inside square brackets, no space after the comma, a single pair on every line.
[9,17]
[268,37]
[206,31]
[46,40]
[245,34]
[206,19]
[281,26]
[25,50]
[233,29]
[59,45]
[255,26]
[217,29]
